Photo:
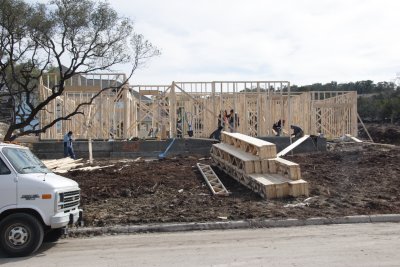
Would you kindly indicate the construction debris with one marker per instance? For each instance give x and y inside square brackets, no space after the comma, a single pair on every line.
[90,168]
[66,164]
[62,165]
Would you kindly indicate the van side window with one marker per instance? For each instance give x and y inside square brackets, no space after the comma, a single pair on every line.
[3,168]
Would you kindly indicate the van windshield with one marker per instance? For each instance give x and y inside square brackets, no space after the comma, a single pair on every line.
[24,161]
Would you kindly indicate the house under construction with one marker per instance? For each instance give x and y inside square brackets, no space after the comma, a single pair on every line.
[183,109]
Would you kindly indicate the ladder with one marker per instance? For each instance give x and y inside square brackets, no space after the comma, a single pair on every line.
[212,180]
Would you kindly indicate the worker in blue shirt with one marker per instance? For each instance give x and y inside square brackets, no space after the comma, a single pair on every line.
[68,149]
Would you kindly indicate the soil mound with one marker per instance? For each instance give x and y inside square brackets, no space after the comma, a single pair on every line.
[382,133]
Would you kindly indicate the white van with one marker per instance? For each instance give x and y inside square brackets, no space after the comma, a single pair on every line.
[35,204]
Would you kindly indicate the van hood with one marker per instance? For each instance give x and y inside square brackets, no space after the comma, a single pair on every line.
[52,180]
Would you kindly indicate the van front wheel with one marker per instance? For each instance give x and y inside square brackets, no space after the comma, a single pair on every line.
[21,234]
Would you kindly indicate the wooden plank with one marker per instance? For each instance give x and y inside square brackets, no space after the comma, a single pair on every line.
[264,166]
[149,92]
[272,166]
[66,166]
[263,187]
[353,138]
[236,152]
[60,162]
[249,139]
[285,168]
[270,178]
[233,161]
[286,162]
[249,144]
[298,188]
[273,186]
[91,168]
[333,105]
[292,146]
[257,166]
[49,161]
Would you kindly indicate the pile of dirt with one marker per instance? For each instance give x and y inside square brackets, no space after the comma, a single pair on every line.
[381,133]
[364,179]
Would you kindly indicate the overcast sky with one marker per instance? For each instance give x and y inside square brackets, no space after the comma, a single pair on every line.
[302,41]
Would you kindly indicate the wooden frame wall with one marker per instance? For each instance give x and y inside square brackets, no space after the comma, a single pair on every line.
[174,109]
[107,114]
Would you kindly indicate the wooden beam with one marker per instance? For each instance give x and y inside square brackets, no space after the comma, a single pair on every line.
[292,146]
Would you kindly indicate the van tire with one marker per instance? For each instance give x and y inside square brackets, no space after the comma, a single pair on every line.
[21,234]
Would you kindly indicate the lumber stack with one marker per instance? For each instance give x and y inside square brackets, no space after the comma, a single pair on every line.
[254,163]
[62,165]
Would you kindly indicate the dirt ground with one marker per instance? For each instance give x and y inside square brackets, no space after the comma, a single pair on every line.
[351,179]
[381,133]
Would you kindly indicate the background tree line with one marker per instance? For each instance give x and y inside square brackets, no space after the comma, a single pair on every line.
[377,102]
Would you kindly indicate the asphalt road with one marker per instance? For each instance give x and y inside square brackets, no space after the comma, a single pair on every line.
[333,245]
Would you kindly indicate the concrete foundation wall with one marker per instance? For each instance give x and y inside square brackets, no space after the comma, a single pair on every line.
[142,148]
[309,145]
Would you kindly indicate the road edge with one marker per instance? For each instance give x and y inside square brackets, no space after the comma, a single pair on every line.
[240,224]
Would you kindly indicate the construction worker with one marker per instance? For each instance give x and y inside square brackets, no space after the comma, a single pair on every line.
[68,149]
[221,123]
[277,127]
[179,131]
[217,133]
[297,131]
[151,132]
[66,140]
[233,119]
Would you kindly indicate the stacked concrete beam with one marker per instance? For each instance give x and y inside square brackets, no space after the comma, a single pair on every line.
[253,162]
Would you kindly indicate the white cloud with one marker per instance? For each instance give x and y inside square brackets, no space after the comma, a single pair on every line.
[303,41]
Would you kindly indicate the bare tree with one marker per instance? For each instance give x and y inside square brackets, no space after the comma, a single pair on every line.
[72,37]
